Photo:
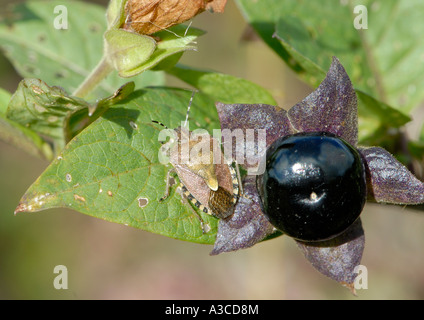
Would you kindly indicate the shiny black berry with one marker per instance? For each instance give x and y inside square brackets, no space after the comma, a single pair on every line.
[314,185]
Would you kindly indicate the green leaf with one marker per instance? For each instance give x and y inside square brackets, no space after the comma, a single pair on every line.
[120,94]
[313,48]
[20,136]
[384,61]
[376,119]
[262,16]
[111,169]
[37,49]
[4,100]
[416,148]
[43,109]
[52,114]
[312,32]
[78,120]
[222,87]
[24,139]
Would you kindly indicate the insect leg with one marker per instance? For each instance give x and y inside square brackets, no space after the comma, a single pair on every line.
[237,182]
[239,178]
[187,198]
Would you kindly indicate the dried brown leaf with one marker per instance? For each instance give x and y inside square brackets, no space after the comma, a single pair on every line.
[150,16]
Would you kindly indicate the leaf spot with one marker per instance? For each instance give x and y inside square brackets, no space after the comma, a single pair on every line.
[31,69]
[95,28]
[142,202]
[41,37]
[109,193]
[40,108]
[32,56]
[79,198]
[37,90]
[61,74]
[68,177]
[39,200]
[52,119]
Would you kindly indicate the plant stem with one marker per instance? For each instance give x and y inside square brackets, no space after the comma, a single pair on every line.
[96,76]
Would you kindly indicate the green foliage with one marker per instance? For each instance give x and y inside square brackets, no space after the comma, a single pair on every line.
[62,57]
[223,87]
[382,61]
[43,109]
[111,168]
[19,135]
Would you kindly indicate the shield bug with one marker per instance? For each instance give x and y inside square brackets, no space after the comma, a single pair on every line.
[207,180]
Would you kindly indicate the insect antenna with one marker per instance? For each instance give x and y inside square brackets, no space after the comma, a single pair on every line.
[188,108]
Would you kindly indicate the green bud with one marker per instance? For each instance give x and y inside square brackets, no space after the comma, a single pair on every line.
[126,50]
[115,14]
[131,53]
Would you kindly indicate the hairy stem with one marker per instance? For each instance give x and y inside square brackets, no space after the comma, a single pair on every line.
[100,72]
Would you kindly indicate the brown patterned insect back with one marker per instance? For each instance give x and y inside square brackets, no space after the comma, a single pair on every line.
[198,184]
[206,179]
[221,202]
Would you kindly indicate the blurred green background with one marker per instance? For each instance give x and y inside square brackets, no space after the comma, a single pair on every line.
[111,261]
